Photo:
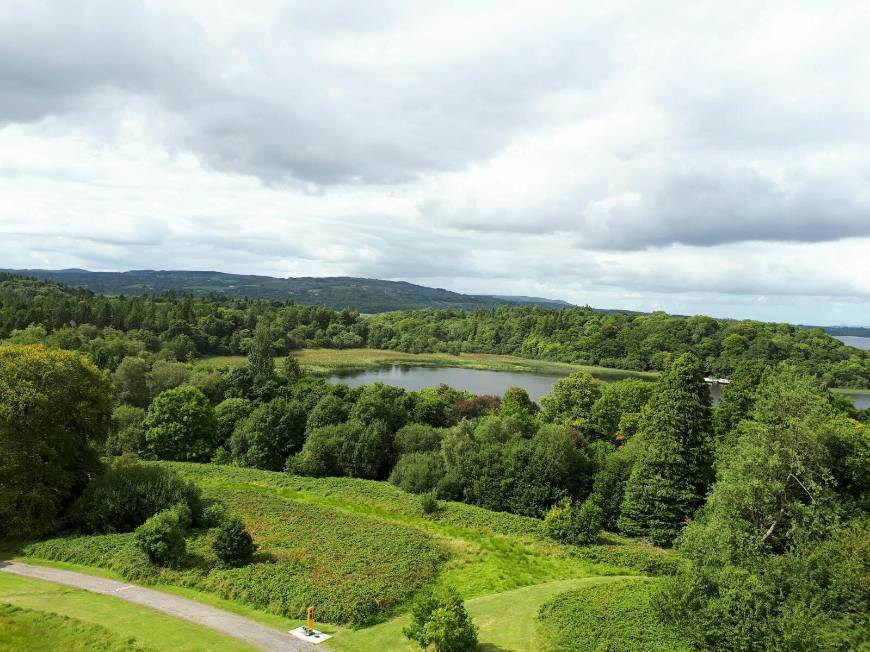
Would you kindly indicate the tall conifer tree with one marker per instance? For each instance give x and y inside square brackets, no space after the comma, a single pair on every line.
[669,480]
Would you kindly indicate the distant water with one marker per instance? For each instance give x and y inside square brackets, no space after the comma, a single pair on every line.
[480,381]
[854,340]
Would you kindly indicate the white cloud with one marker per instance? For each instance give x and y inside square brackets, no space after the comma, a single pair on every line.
[689,158]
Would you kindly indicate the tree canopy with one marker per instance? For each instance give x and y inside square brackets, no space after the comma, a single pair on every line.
[55,409]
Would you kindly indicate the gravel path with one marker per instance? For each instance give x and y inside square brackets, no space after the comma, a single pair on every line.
[252,632]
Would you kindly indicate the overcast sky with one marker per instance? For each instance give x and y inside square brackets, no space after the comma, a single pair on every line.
[701,157]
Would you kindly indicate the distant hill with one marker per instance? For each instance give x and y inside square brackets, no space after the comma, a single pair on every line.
[362,294]
[848,331]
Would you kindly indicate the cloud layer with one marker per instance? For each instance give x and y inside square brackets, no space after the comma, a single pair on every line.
[669,157]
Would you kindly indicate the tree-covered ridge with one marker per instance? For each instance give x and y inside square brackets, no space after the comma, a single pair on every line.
[363,294]
[623,341]
[110,328]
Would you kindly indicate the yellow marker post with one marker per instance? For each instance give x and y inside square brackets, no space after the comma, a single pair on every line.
[310,620]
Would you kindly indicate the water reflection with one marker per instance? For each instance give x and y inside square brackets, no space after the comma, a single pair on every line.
[480,381]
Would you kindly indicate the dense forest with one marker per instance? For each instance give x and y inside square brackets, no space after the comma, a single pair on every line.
[182,327]
[366,295]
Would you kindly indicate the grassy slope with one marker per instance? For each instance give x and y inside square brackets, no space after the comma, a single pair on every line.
[327,361]
[98,622]
[353,568]
[618,617]
[490,553]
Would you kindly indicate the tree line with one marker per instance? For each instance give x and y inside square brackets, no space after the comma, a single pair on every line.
[181,327]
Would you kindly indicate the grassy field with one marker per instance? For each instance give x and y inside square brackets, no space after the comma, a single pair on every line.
[506,621]
[617,617]
[328,361]
[358,550]
[353,568]
[37,615]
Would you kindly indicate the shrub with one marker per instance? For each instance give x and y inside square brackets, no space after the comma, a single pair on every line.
[128,494]
[161,537]
[418,472]
[234,545]
[572,523]
[587,522]
[213,515]
[429,503]
[440,619]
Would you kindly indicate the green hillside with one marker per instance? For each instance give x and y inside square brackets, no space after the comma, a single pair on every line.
[362,294]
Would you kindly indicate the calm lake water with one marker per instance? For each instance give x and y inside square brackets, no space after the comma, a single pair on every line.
[479,381]
[853,340]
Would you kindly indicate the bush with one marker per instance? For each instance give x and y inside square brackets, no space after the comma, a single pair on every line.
[429,503]
[440,619]
[213,515]
[234,545]
[125,496]
[417,473]
[572,523]
[161,537]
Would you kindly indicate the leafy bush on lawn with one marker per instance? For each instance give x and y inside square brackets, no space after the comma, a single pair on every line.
[234,545]
[439,619]
[429,503]
[572,523]
[161,537]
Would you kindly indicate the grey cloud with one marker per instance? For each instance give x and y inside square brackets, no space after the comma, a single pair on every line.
[714,208]
[289,110]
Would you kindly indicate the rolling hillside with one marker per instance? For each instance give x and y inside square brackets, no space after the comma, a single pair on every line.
[362,294]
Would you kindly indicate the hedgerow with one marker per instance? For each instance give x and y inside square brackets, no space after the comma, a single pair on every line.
[616,616]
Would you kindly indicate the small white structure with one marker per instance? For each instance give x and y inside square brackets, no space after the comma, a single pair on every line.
[314,637]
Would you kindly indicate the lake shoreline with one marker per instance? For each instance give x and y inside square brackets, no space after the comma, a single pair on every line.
[334,362]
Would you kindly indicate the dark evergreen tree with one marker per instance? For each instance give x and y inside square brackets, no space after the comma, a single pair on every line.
[670,478]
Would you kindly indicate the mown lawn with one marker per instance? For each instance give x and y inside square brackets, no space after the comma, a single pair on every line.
[506,621]
[37,615]
[328,361]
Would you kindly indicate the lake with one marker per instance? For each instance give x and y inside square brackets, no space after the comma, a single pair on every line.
[854,340]
[480,381]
